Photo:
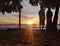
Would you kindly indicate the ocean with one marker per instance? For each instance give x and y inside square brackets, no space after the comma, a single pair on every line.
[25,26]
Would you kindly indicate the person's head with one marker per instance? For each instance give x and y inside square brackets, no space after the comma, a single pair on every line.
[49,9]
[41,7]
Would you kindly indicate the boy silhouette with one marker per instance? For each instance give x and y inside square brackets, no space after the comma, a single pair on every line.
[41,18]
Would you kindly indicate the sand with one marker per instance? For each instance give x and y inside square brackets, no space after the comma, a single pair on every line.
[29,37]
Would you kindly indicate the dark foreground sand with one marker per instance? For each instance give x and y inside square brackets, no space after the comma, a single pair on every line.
[29,37]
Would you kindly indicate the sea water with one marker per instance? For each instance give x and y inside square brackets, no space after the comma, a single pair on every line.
[25,26]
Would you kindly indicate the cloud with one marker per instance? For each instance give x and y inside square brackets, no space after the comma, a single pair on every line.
[28,9]
[27,18]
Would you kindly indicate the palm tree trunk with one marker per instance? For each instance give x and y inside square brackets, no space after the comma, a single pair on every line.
[56,17]
[19,8]
[19,18]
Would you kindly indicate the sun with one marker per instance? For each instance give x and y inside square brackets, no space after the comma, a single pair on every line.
[30,22]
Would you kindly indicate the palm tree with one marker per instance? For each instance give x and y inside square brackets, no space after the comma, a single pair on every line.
[51,4]
[11,6]
[56,17]
[19,8]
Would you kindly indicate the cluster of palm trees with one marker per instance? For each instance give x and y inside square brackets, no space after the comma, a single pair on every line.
[15,5]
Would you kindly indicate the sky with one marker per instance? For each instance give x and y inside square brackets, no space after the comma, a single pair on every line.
[28,13]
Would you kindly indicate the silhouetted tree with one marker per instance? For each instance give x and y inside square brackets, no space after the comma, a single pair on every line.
[52,4]
[11,6]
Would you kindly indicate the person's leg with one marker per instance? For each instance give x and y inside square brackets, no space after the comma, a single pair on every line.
[39,26]
[43,25]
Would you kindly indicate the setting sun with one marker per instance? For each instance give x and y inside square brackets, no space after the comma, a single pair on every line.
[30,22]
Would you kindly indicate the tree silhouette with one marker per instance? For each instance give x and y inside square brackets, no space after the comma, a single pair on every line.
[49,3]
[11,6]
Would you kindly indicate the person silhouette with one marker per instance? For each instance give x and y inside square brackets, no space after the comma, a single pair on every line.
[49,19]
[41,18]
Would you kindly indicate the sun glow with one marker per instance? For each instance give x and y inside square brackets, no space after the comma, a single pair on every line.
[30,22]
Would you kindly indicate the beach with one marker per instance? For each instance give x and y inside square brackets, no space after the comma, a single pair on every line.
[29,37]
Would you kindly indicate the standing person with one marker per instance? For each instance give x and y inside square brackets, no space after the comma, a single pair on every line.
[41,18]
[49,18]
